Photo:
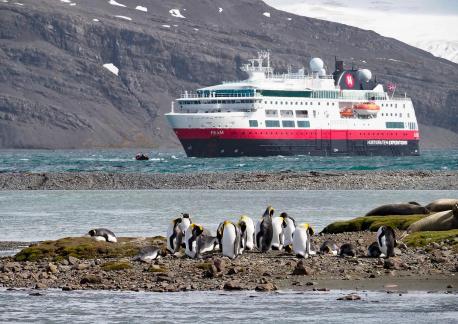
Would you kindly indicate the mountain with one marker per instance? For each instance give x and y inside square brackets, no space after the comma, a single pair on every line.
[55,91]
[441,48]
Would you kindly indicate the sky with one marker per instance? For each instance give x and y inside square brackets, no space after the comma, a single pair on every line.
[411,21]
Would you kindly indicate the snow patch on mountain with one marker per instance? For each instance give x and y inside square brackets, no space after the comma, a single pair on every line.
[176,13]
[123,17]
[111,67]
[141,8]
[267,14]
[114,3]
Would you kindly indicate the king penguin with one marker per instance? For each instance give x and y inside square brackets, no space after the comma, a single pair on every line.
[373,250]
[102,234]
[231,240]
[278,237]
[198,241]
[264,230]
[289,226]
[329,247]
[185,222]
[174,235]
[302,240]
[246,226]
[386,240]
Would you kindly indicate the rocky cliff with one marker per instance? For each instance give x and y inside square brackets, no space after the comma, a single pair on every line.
[55,92]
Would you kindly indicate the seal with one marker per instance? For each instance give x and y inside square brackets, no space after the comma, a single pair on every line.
[386,240]
[174,235]
[347,249]
[264,230]
[329,247]
[102,234]
[148,254]
[231,246]
[246,226]
[373,250]
[441,221]
[398,209]
[442,205]
[302,241]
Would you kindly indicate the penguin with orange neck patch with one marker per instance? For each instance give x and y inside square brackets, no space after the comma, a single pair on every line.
[198,241]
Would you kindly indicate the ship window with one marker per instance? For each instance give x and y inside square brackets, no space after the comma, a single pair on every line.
[253,123]
[306,103]
[403,105]
[286,113]
[394,125]
[276,102]
[303,123]
[302,114]
[287,123]
[408,115]
[272,123]
[271,112]
[314,114]
[396,106]
[327,104]
[319,103]
[281,102]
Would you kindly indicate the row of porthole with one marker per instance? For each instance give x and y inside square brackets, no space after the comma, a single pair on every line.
[297,103]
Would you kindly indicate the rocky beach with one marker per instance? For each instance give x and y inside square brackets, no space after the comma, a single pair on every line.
[281,180]
[106,266]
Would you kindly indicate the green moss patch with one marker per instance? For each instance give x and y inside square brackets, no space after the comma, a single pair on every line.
[427,237]
[204,265]
[372,223]
[156,268]
[86,248]
[116,265]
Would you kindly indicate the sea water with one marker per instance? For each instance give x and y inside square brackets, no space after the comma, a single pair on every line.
[161,162]
[41,215]
[234,307]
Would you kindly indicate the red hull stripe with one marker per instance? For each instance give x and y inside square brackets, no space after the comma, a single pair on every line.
[295,134]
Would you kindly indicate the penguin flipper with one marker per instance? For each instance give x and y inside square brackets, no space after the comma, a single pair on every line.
[171,238]
[237,242]
[179,241]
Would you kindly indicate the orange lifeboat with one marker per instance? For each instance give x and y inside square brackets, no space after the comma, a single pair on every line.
[366,108]
[346,112]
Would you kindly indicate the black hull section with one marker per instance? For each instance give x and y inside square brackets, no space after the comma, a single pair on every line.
[233,148]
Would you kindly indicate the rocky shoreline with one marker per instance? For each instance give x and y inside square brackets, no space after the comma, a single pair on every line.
[431,268]
[283,180]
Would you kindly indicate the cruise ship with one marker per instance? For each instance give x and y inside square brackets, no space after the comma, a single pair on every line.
[296,113]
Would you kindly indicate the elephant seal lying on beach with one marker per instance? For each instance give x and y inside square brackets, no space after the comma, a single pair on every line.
[441,221]
[398,209]
[442,205]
